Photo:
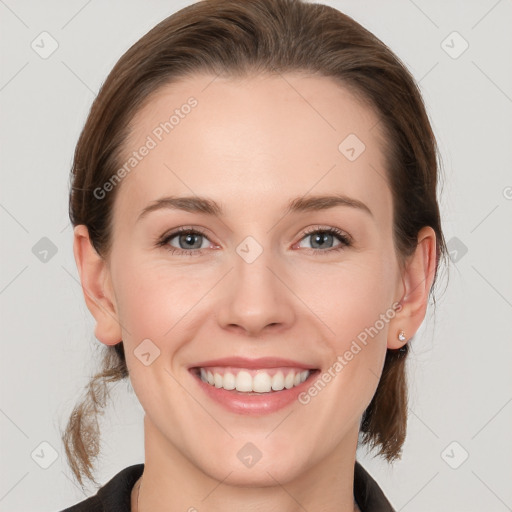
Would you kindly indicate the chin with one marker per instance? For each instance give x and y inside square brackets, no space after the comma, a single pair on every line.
[248,466]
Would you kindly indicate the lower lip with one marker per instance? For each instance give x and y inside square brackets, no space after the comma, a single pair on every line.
[257,404]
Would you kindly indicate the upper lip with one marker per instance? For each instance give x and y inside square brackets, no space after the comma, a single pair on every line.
[261,362]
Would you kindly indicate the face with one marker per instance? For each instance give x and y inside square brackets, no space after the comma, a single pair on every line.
[270,281]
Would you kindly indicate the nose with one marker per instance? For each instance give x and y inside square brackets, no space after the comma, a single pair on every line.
[256,297]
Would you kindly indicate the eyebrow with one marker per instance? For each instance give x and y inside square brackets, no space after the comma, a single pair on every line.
[196,204]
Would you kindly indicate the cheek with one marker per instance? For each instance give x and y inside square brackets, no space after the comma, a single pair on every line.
[152,297]
[355,306]
[350,297]
[155,305]
[357,309]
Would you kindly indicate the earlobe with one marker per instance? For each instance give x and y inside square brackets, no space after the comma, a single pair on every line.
[94,277]
[417,279]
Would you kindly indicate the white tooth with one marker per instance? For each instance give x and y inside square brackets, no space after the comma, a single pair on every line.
[262,382]
[229,381]
[243,381]
[278,381]
[217,378]
[288,381]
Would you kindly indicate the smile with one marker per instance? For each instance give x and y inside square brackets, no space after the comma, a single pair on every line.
[247,380]
[251,386]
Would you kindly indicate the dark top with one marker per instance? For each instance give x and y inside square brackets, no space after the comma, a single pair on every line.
[115,495]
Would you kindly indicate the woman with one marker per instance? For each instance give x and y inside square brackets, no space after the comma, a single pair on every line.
[257,234]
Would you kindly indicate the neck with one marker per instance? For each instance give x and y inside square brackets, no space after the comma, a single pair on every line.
[326,486]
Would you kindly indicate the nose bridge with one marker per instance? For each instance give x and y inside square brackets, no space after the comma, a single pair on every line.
[256,296]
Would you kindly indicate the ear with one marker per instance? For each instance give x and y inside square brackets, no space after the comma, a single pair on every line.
[97,287]
[417,279]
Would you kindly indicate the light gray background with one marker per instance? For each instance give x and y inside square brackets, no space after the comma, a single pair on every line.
[460,365]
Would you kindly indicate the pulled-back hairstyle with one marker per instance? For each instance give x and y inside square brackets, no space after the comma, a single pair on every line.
[234,38]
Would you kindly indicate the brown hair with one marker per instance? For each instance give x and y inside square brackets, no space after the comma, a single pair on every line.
[234,38]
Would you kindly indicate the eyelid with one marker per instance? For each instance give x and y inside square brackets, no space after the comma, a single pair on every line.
[179,230]
[345,239]
[163,241]
[329,229]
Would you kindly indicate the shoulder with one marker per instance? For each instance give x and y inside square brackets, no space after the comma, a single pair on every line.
[368,494]
[114,496]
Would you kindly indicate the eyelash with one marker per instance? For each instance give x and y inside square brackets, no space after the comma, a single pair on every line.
[345,239]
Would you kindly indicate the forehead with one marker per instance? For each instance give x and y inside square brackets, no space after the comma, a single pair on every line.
[261,137]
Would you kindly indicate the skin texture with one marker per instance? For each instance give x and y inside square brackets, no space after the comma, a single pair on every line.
[252,145]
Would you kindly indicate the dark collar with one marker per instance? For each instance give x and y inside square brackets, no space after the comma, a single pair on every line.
[368,494]
[115,495]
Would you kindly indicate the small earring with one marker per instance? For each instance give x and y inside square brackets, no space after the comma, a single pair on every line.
[401,335]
